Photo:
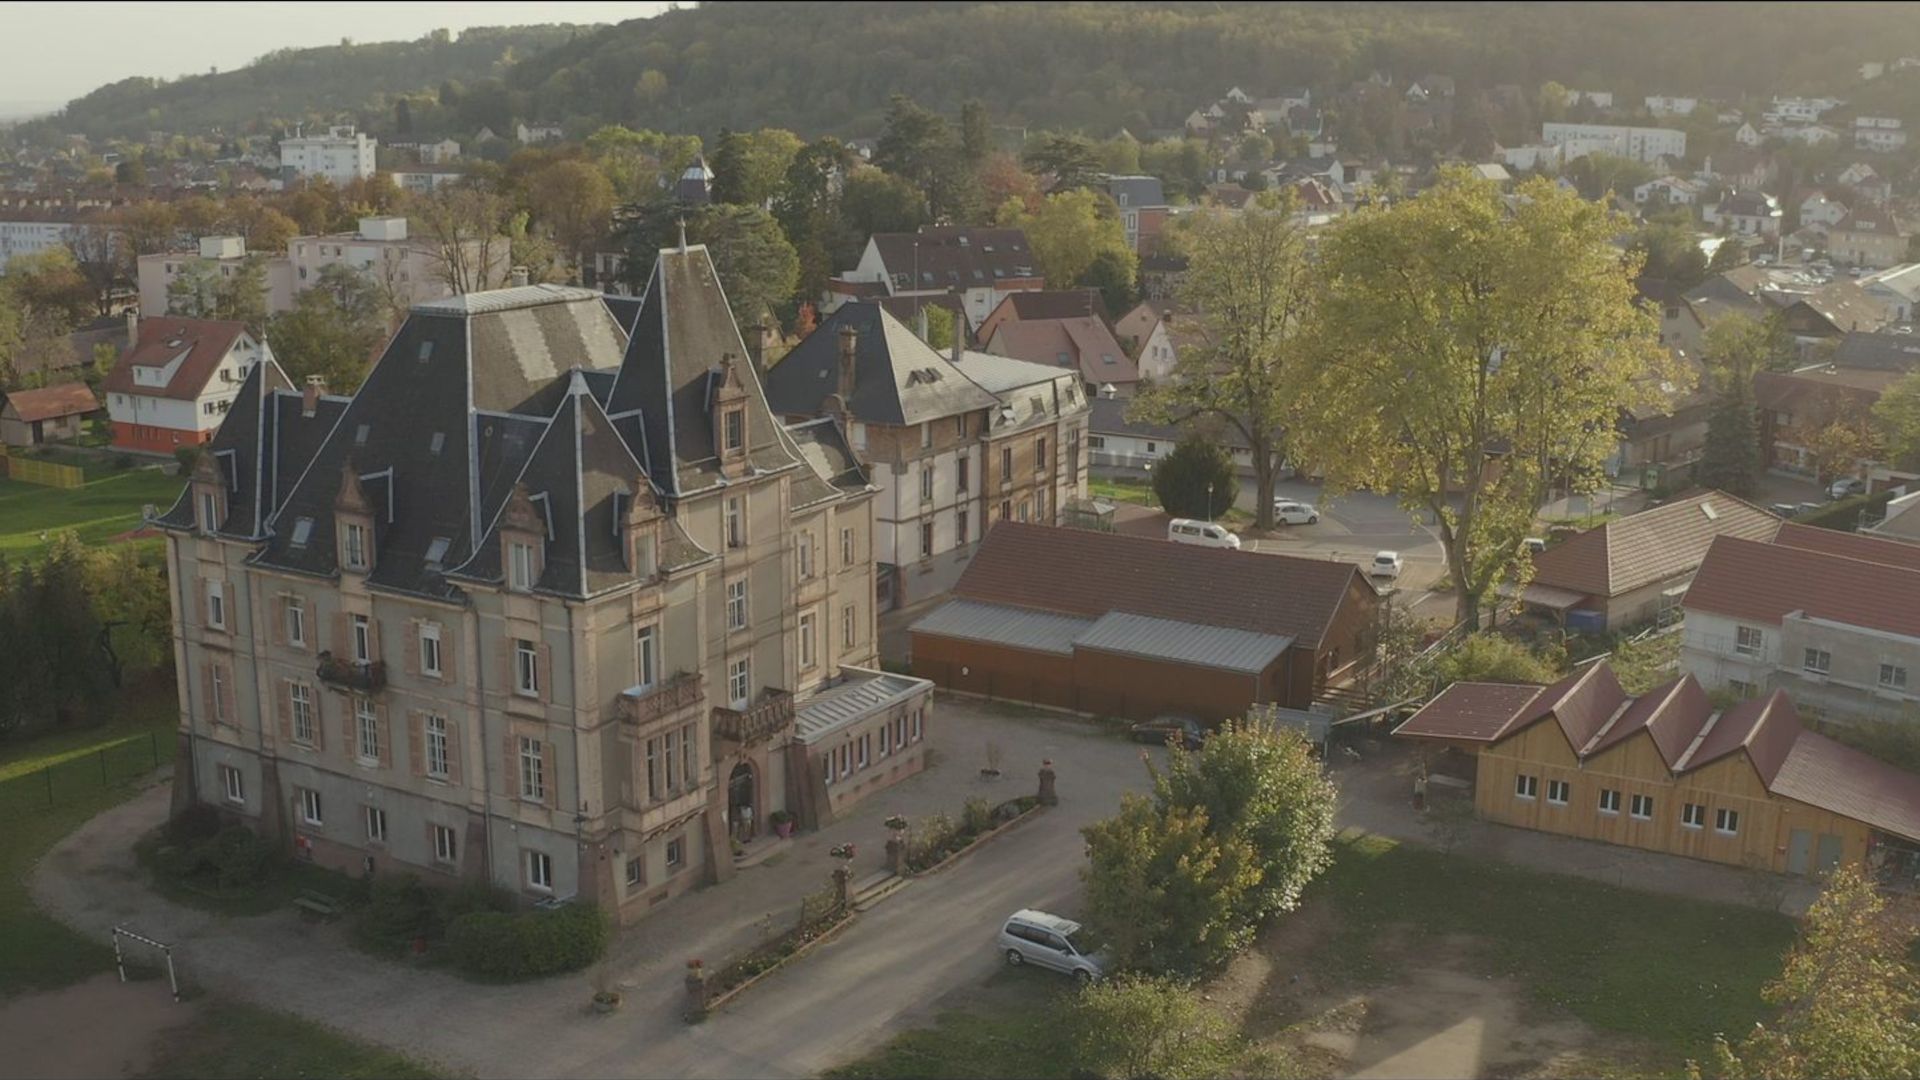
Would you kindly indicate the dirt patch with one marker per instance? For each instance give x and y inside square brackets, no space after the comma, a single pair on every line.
[98,1028]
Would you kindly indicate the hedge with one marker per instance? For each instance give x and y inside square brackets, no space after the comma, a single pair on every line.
[527,945]
[1843,515]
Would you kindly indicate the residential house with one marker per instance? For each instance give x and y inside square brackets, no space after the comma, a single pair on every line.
[1662,105]
[1133,626]
[45,415]
[1869,236]
[1633,570]
[1670,772]
[1900,524]
[30,230]
[441,151]
[342,155]
[954,441]
[1881,134]
[1660,438]
[1831,617]
[1898,287]
[1146,333]
[538,132]
[1083,345]
[1739,168]
[1746,213]
[219,258]
[546,605]
[1863,180]
[1791,403]
[1817,209]
[174,385]
[1143,210]
[1799,110]
[1118,441]
[982,266]
[1045,304]
[1493,172]
[1542,157]
[1670,190]
[1748,135]
[1161,276]
[1810,135]
[1830,311]
[1639,143]
[425,179]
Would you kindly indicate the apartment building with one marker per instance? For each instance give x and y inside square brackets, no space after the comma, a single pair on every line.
[955,441]
[549,602]
[224,256]
[1639,143]
[408,269]
[341,155]
[981,266]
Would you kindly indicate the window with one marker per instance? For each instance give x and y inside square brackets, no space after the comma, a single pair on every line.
[209,510]
[1819,661]
[960,425]
[846,547]
[302,531]
[886,739]
[807,651]
[736,429]
[926,539]
[1526,787]
[1152,448]
[655,789]
[233,785]
[526,669]
[1040,455]
[1609,801]
[735,532]
[860,750]
[636,871]
[926,482]
[1893,676]
[737,604]
[434,730]
[540,871]
[362,639]
[1026,509]
[1739,688]
[737,683]
[1006,465]
[430,649]
[376,825]
[1641,807]
[846,627]
[217,605]
[217,676]
[1748,641]
[520,566]
[310,807]
[960,476]
[1557,791]
[646,661]
[1693,815]
[533,770]
[845,756]
[926,436]
[1006,509]
[916,724]
[356,547]
[1726,821]
[446,846]
[960,526]
[1040,504]
[803,555]
[366,727]
[296,622]
[676,853]
[829,769]
[643,565]
[300,706]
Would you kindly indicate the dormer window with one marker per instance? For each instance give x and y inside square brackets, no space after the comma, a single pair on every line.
[736,430]
[209,512]
[644,562]
[354,545]
[520,572]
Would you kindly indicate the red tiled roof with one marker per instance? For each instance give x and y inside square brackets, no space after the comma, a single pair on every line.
[1475,711]
[1765,727]
[1821,772]
[1850,545]
[1744,579]
[205,342]
[51,402]
[1085,342]
[1078,572]
[1648,547]
[1670,715]
[1582,703]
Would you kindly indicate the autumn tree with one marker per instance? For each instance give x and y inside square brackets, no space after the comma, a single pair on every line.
[1837,434]
[1896,415]
[1069,231]
[574,202]
[1467,346]
[467,226]
[1002,178]
[1249,282]
[332,331]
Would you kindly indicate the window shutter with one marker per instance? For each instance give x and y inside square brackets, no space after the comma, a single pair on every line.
[342,635]
[350,739]
[447,652]
[544,663]
[416,743]
[551,779]
[279,620]
[373,639]
[410,652]
[283,704]
[510,754]
[454,771]
[384,735]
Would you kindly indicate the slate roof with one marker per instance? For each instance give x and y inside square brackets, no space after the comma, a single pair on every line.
[1172,640]
[1869,219]
[1140,191]
[52,402]
[1109,416]
[956,256]
[1883,352]
[1084,344]
[898,379]
[199,344]
[1650,546]
[1744,579]
[1075,572]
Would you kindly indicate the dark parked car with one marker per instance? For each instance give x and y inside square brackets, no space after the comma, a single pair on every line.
[1190,731]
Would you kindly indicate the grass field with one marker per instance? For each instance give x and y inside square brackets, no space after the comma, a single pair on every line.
[97,511]
[241,1042]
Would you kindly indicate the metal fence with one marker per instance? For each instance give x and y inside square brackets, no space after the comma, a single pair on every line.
[77,777]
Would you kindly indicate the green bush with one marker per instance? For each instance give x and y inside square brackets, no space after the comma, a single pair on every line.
[1844,515]
[1495,657]
[238,858]
[976,816]
[1196,480]
[528,945]
[1129,1027]
[186,457]
[398,910]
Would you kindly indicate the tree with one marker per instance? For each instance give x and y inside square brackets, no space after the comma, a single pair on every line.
[1133,1027]
[1115,273]
[148,226]
[975,136]
[574,201]
[332,331]
[1163,892]
[1197,480]
[1495,657]
[1248,278]
[1735,348]
[640,163]
[466,224]
[1897,415]
[940,327]
[1848,994]
[50,283]
[1071,160]
[808,209]
[919,146]
[757,266]
[1002,179]
[1671,255]
[50,669]
[403,116]
[1469,350]
[1069,232]
[1254,149]
[875,201]
[750,167]
[1597,174]
[1837,437]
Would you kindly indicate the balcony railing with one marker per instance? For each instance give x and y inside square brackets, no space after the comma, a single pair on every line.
[367,676]
[642,705]
[755,723]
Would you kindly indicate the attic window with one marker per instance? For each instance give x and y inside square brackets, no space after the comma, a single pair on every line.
[437,551]
[439,443]
[302,531]
[979,276]
[999,273]
[426,350]
[360,435]
[619,512]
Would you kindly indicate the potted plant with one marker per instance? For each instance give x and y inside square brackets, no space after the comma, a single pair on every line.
[782,822]
[606,996]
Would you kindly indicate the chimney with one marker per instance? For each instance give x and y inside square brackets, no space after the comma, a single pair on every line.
[310,394]
[520,277]
[849,348]
[133,327]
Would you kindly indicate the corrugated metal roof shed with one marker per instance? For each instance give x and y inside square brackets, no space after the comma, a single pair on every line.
[1000,625]
[1164,639]
[837,706]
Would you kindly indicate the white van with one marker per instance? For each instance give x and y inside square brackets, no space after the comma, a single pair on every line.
[1203,533]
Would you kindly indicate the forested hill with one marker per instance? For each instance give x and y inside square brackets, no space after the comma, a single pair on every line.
[818,67]
[317,84]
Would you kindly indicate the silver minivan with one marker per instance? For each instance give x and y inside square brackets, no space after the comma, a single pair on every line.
[1049,941]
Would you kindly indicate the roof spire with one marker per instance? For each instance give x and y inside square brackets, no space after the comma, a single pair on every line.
[683,234]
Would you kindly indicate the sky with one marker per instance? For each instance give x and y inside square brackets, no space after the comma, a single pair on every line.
[91,44]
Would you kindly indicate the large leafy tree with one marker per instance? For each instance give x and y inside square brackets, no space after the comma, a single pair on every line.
[467,224]
[757,265]
[1196,480]
[332,331]
[1897,415]
[1248,278]
[573,201]
[1071,160]
[1472,347]
[750,167]
[1069,232]
[808,209]
[921,147]
[640,164]
[874,201]
[1734,350]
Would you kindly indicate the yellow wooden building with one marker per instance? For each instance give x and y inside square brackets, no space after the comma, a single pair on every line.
[1666,771]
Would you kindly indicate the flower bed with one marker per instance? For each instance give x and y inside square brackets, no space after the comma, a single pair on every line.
[821,916]
[938,840]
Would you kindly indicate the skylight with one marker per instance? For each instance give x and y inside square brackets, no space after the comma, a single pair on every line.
[360,435]
[302,531]
[439,442]
[437,551]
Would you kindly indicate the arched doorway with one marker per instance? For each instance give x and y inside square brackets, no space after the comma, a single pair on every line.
[742,813]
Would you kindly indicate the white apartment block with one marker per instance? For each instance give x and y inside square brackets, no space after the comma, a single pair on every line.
[27,233]
[409,270]
[1639,143]
[1663,105]
[226,256]
[341,155]
[1881,134]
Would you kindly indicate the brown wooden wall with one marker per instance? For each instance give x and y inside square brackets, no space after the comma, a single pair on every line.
[1088,681]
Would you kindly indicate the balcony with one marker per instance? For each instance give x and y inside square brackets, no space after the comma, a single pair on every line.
[642,705]
[755,723]
[365,676]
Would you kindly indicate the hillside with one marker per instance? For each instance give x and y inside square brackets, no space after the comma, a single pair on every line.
[820,68]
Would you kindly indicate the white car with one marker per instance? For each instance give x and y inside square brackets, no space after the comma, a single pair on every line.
[1201,534]
[1049,941]
[1288,512]
[1385,564]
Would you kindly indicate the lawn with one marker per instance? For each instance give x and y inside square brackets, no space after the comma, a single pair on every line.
[1008,1028]
[1120,489]
[98,510]
[240,1042]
